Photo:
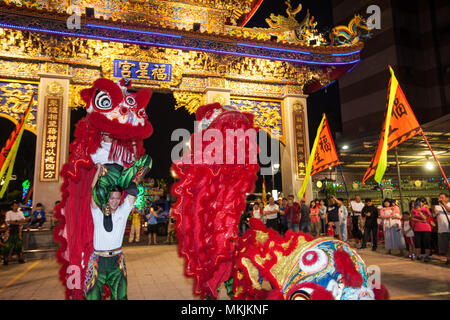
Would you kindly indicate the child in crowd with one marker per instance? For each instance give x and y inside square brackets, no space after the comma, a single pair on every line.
[409,234]
[38,217]
[330,229]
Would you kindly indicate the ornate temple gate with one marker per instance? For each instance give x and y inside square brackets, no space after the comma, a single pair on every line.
[158,48]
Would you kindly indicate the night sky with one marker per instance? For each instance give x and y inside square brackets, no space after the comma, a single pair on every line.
[165,119]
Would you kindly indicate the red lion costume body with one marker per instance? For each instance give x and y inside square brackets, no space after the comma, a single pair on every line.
[112,110]
[211,199]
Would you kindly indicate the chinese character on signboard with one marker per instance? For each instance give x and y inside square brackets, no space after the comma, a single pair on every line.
[299,143]
[51,139]
[142,70]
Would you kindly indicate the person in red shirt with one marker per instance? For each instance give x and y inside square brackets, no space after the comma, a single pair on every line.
[292,212]
[422,229]
[315,220]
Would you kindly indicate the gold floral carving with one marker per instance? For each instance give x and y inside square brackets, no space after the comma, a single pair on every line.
[75,100]
[268,114]
[55,89]
[216,82]
[220,99]
[261,76]
[190,101]
[15,98]
[298,106]
[19,69]
[56,68]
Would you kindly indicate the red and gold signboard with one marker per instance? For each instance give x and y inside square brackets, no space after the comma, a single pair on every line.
[300,141]
[51,138]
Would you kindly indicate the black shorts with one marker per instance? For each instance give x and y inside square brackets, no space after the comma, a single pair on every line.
[151,228]
[422,239]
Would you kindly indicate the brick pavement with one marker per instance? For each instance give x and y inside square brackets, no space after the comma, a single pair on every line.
[156,272]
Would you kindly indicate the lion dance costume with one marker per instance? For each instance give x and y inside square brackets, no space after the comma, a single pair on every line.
[120,114]
[211,198]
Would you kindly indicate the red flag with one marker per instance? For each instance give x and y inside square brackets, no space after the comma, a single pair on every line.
[14,134]
[403,125]
[325,155]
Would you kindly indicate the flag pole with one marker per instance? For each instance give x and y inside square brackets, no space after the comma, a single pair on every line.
[399,179]
[343,179]
[437,161]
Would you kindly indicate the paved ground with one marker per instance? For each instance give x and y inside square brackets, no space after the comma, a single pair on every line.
[156,272]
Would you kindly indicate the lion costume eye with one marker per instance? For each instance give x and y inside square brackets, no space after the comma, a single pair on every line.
[130,100]
[313,261]
[102,101]
[141,113]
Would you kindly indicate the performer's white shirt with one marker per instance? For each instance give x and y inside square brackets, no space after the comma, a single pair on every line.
[13,216]
[272,207]
[104,240]
[442,220]
[356,207]
[102,154]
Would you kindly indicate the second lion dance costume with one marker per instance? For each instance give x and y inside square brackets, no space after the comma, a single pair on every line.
[120,115]
[211,198]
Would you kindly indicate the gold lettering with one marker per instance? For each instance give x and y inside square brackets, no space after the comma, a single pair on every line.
[53,109]
[50,152]
[52,137]
[159,73]
[126,68]
[49,175]
[52,131]
[50,144]
[50,159]
[143,70]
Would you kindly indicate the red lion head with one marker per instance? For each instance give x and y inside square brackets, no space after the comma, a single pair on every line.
[112,109]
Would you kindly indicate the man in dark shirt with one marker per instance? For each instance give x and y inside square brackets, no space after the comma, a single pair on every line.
[371,226]
[333,215]
[305,220]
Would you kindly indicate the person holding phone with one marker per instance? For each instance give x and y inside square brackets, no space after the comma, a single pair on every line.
[442,213]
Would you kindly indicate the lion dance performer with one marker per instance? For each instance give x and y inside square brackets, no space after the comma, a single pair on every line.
[211,198]
[102,163]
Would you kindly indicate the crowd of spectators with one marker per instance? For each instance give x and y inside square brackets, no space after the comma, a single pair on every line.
[423,230]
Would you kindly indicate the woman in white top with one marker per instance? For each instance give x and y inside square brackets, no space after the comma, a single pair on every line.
[392,225]
[256,213]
